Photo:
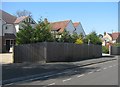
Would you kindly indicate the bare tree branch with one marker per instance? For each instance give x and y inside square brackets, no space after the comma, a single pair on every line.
[20,13]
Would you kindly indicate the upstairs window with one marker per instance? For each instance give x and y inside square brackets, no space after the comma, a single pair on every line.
[6,27]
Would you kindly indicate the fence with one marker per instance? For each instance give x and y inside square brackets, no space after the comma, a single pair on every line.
[54,52]
[114,50]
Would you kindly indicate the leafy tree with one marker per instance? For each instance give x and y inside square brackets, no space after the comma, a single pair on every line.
[24,36]
[65,37]
[92,38]
[29,35]
[42,32]
[75,36]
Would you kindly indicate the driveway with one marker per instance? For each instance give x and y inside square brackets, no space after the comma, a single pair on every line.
[6,58]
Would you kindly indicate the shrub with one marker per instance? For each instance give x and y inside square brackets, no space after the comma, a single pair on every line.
[93,38]
[117,44]
[79,41]
[105,49]
[66,37]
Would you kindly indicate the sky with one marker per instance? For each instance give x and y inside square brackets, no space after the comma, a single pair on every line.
[94,16]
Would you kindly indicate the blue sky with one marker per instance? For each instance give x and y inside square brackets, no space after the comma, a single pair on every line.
[99,16]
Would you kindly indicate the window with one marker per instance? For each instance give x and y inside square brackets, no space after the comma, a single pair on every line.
[12,42]
[6,27]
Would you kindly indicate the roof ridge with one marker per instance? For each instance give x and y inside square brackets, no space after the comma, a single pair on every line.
[7,13]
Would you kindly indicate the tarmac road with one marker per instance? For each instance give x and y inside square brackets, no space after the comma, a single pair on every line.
[105,73]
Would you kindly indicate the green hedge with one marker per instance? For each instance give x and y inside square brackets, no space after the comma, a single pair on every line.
[105,49]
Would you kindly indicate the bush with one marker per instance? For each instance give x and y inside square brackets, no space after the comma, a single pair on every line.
[79,41]
[93,38]
[105,49]
[66,37]
[117,44]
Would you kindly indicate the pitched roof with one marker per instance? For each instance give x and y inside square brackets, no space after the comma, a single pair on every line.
[59,25]
[19,19]
[115,35]
[8,18]
[76,24]
[109,34]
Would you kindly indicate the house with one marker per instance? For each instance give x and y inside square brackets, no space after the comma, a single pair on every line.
[109,39]
[79,28]
[10,26]
[61,26]
[20,20]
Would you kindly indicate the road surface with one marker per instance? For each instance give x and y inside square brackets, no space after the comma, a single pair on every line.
[105,73]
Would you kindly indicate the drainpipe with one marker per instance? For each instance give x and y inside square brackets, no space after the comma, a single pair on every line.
[2,36]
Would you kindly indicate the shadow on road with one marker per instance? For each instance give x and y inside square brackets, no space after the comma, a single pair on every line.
[26,69]
[17,70]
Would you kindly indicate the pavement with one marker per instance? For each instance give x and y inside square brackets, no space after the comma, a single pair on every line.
[13,73]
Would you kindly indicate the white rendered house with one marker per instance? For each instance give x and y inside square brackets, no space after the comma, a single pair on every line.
[10,25]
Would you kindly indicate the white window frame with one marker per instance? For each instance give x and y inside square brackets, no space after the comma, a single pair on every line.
[10,41]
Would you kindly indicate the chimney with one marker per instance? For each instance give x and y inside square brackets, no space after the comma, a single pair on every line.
[45,21]
[104,33]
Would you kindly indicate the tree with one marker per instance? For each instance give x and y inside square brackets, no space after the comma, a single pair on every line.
[93,38]
[20,13]
[66,36]
[29,35]
[75,36]
[43,32]
[25,35]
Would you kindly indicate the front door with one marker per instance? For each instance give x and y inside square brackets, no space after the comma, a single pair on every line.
[7,45]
